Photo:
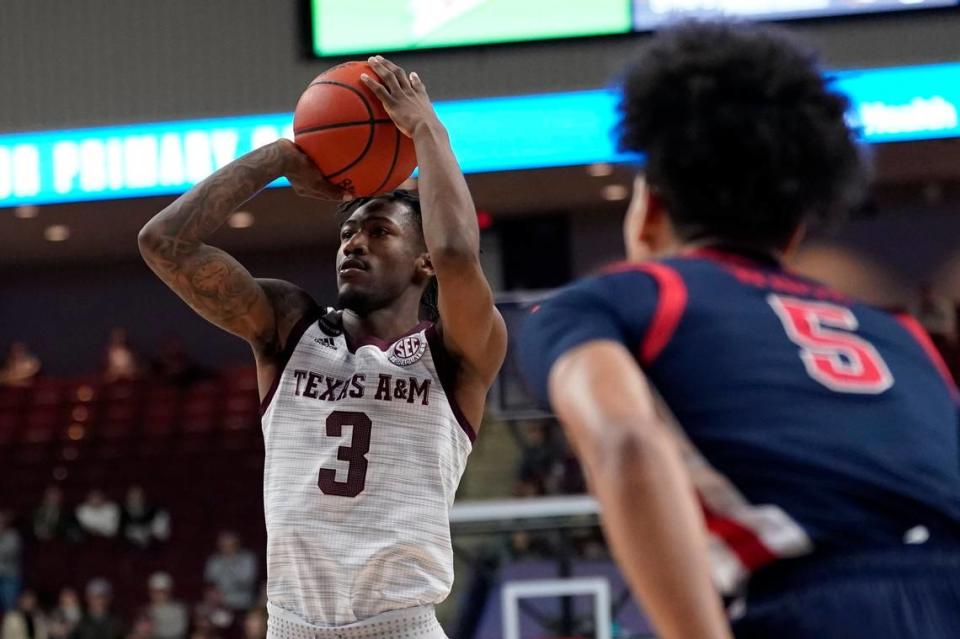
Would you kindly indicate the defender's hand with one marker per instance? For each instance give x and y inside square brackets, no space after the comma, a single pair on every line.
[404,95]
[304,176]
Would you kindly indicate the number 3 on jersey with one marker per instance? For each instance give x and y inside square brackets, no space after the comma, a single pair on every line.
[355,453]
[832,354]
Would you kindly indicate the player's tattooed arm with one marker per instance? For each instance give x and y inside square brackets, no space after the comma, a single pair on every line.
[472,327]
[209,280]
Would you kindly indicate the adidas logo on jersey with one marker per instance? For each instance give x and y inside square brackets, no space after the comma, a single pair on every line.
[326,341]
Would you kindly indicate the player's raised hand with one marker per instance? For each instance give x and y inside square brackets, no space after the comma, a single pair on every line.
[404,95]
[304,176]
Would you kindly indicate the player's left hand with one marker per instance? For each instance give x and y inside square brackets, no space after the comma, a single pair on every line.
[404,95]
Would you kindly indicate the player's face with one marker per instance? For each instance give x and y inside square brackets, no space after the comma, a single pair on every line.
[380,257]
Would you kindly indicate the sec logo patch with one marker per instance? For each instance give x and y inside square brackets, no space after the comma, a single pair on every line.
[408,350]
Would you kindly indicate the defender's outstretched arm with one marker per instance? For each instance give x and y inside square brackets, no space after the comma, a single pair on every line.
[650,514]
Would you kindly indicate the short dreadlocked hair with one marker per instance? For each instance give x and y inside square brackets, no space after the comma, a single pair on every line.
[429,301]
[744,138]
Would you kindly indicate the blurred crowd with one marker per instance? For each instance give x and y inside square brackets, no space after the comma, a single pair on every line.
[135,530]
[940,316]
[120,362]
[137,521]
[548,467]
[233,604]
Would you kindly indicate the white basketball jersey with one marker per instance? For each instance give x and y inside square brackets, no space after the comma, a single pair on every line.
[365,447]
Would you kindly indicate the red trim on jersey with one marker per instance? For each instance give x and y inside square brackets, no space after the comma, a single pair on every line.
[920,334]
[296,334]
[670,306]
[743,542]
[729,257]
[671,303]
[765,271]
[447,372]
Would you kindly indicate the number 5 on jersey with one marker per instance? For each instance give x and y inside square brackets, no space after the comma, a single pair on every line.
[832,354]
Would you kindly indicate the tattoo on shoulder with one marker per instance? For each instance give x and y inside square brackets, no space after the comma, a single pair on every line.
[211,281]
[289,301]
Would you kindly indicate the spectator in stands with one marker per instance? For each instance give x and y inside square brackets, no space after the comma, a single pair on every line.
[142,523]
[938,315]
[174,365]
[51,520]
[168,617]
[10,556]
[98,516]
[203,628]
[142,627]
[539,458]
[255,624]
[212,613]
[525,544]
[98,622]
[121,362]
[65,617]
[20,367]
[567,478]
[26,621]
[234,571]
[262,596]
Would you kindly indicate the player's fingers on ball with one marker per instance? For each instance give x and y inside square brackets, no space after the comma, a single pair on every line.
[388,65]
[387,76]
[402,80]
[378,70]
[378,89]
[396,70]
[416,82]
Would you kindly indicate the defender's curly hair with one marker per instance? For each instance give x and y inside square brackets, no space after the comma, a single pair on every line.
[429,301]
[744,138]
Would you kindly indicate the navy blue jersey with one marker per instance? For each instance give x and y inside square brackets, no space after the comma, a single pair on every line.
[812,422]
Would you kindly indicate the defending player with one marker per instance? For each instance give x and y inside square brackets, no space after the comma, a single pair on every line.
[819,441]
[368,414]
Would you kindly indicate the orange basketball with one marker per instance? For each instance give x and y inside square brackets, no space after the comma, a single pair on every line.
[345,130]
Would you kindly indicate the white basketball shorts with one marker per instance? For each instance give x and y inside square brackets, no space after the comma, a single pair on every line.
[411,623]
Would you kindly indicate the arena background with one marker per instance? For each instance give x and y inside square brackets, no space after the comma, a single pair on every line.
[194,446]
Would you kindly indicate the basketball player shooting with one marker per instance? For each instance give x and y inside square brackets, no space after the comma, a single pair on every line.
[368,413]
[814,452]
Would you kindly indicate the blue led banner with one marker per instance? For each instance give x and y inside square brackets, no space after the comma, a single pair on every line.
[493,134]
[126,161]
[905,103]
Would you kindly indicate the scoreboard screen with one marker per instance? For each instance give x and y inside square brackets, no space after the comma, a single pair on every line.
[650,14]
[350,27]
[360,27]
